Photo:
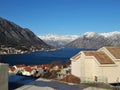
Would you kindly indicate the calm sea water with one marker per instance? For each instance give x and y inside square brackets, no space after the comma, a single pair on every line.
[16,81]
[42,57]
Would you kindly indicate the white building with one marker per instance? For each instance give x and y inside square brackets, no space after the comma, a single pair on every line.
[102,65]
[3,76]
[28,71]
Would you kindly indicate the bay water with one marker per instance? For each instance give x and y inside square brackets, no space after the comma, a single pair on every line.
[42,57]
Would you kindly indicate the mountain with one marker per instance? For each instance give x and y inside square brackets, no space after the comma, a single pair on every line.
[14,36]
[58,40]
[96,40]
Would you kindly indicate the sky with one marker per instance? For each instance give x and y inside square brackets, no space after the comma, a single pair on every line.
[63,16]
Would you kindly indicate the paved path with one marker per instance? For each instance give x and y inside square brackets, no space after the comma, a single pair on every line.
[44,84]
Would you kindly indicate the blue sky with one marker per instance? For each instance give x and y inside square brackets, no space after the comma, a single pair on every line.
[63,16]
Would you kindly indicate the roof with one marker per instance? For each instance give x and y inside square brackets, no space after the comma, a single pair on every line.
[46,65]
[100,56]
[71,79]
[39,66]
[115,51]
[21,65]
[77,56]
[28,69]
[11,68]
[32,65]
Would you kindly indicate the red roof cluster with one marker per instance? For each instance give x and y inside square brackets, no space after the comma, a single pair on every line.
[47,67]
[21,65]
[28,68]
[39,66]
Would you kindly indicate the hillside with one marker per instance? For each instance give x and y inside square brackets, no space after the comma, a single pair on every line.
[16,37]
[96,40]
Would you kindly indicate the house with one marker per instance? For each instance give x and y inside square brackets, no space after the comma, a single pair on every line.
[28,71]
[46,67]
[102,65]
[39,72]
[56,67]
[12,70]
[33,66]
[64,72]
[19,67]
[39,66]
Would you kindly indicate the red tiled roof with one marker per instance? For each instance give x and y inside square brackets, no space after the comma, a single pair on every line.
[21,65]
[47,66]
[28,69]
[71,79]
[100,56]
[39,66]
[115,51]
[32,65]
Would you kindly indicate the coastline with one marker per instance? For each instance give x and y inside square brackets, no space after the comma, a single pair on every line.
[16,51]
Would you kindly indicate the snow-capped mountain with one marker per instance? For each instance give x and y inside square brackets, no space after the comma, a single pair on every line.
[96,40]
[58,40]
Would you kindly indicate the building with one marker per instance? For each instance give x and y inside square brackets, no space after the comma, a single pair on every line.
[12,70]
[19,67]
[3,76]
[102,65]
[28,71]
[64,72]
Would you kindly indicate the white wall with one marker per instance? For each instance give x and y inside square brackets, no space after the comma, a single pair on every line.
[88,67]
[75,67]
[3,76]
[113,72]
[107,73]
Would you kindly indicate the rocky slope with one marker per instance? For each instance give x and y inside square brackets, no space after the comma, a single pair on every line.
[16,37]
[96,40]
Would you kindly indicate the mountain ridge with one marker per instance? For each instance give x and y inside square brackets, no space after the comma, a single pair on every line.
[58,40]
[88,40]
[14,36]
[96,40]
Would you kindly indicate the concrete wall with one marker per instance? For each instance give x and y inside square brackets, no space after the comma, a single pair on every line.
[107,73]
[87,67]
[75,67]
[3,76]
[89,70]
[112,73]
